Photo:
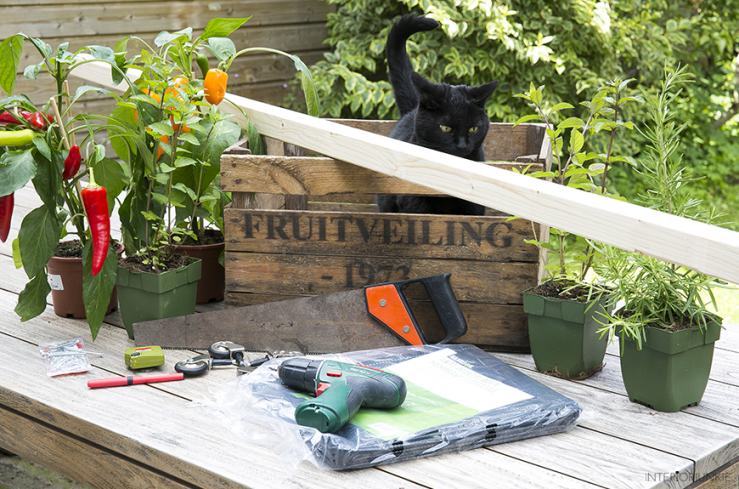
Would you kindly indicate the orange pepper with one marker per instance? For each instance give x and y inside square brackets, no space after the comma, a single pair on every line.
[215,85]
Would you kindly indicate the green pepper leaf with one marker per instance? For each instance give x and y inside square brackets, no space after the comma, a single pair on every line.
[10,57]
[112,175]
[48,179]
[37,239]
[17,168]
[222,27]
[222,48]
[96,291]
[32,301]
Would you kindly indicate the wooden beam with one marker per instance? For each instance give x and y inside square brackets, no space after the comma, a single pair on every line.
[702,247]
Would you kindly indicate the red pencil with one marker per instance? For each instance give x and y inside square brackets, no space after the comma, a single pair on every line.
[134,379]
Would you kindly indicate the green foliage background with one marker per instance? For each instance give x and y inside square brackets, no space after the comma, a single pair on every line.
[570,46]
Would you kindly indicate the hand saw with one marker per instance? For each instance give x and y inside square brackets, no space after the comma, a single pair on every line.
[376,316]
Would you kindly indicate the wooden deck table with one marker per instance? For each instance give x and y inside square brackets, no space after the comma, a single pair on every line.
[150,436]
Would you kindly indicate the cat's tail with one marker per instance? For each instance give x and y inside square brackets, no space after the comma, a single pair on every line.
[399,66]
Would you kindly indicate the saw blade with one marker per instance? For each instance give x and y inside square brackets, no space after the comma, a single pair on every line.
[327,323]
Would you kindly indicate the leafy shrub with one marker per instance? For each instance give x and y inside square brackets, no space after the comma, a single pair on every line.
[571,46]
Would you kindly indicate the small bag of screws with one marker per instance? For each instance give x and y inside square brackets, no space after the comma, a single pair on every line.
[65,357]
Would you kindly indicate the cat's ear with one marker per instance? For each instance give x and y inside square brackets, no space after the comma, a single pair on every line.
[430,94]
[482,93]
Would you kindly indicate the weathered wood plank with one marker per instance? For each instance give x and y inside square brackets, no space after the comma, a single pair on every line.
[503,141]
[601,459]
[494,327]
[80,461]
[493,282]
[724,477]
[710,444]
[379,234]
[508,473]
[315,176]
[56,21]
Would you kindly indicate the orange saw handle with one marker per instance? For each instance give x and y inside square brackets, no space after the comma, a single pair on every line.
[387,304]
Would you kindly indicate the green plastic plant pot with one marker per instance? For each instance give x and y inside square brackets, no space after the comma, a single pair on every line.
[564,335]
[146,296]
[671,371]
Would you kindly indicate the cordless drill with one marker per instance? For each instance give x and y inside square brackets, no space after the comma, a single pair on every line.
[340,389]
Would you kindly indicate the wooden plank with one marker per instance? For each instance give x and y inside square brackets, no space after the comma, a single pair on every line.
[503,142]
[724,477]
[508,473]
[74,458]
[379,234]
[600,459]
[494,282]
[56,21]
[709,443]
[493,327]
[315,176]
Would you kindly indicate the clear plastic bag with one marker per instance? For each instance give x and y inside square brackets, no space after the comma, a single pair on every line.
[459,397]
[65,357]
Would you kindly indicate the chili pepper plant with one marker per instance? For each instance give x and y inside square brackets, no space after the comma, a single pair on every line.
[170,132]
[37,144]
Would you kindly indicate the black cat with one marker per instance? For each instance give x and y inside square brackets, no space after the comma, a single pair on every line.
[443,117]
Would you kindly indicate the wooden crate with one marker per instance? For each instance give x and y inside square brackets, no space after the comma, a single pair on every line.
[305,225]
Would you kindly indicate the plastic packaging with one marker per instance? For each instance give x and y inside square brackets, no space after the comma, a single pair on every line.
[65,357]
[459,397]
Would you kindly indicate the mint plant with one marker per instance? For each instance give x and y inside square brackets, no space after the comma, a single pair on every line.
[576,167]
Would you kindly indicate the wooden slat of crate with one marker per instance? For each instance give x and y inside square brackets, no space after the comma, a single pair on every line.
[315,176]
[479,238]
[505,324]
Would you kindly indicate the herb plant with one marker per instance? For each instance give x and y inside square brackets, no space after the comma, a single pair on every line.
[657,293]
[574,166]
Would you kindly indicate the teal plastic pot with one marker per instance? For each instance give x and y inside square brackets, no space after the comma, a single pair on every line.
[671,371]
[144,296]
[564,335]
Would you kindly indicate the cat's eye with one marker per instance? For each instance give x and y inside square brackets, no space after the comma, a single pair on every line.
[473,129]
[445,128]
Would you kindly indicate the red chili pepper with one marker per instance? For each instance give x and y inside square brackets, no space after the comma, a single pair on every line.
[6,213]
[8,117]
[215,85]
[38,121]
[72,163]
[95,200]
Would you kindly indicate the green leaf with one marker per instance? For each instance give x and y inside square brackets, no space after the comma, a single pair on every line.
[112,175]
[160,129]
[222,27]
[570,122]
[96,291]
[37,239]
[561,106]
[17,254]
[32,301]
[103,53]
[222,48]
[184,161]
[87,88]
[10,56]
[48,178]
[576,140]
[165,37]
[526,118]
[150,216]
[17,168]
